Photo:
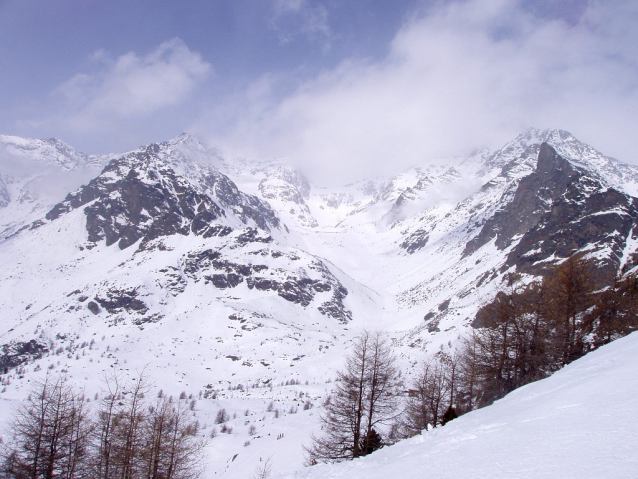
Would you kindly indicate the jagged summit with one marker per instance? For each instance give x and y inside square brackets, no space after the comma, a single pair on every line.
[610,171]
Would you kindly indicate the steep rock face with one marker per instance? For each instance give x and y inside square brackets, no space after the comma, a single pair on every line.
[290,189]
[534,196]
[558,210]
[589,218]
[245,207]
[274,188]
[140,196]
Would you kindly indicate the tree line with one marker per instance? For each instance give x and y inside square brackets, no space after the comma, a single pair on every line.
[55,434]
[526,333]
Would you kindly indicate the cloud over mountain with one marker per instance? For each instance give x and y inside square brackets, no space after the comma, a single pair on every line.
[455,75]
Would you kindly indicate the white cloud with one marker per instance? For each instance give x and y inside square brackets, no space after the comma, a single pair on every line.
[457,76]
[131,86]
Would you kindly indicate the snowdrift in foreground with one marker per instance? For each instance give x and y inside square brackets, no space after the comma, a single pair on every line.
[582,422]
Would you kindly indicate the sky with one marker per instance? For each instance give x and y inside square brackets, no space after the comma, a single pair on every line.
[343,87]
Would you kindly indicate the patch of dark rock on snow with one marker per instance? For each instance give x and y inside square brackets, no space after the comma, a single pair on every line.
[16,353]
[199,261]
[173,280]
[117,301]
[153,318]
[93,307]
[334,308]
[415,241]
[251,235]
[433,326]
[196,263]
[223,281]
[247,323]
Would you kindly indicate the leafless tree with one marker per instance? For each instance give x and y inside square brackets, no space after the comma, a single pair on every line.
[432,394]
[364,398]
[264,470]
[138,440]
[172,450]
[570,288]
[127,433]
[50,435]
[107,419]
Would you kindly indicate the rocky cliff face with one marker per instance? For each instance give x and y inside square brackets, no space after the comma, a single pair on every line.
[141,197]
[558,210]
[534,196]
[588,218]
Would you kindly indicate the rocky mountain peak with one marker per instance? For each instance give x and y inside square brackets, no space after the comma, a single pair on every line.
[533,196]
[141,196]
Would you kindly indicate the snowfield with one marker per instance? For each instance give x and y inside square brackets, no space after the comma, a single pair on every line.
[582,422]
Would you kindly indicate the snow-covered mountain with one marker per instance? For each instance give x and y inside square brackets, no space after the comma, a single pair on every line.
[232,278]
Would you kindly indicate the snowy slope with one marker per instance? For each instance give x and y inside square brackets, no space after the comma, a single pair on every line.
[579,423]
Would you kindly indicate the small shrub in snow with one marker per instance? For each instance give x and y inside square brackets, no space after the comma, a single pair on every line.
[222,416]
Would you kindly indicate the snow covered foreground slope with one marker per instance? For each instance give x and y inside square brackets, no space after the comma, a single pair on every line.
[580,423]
